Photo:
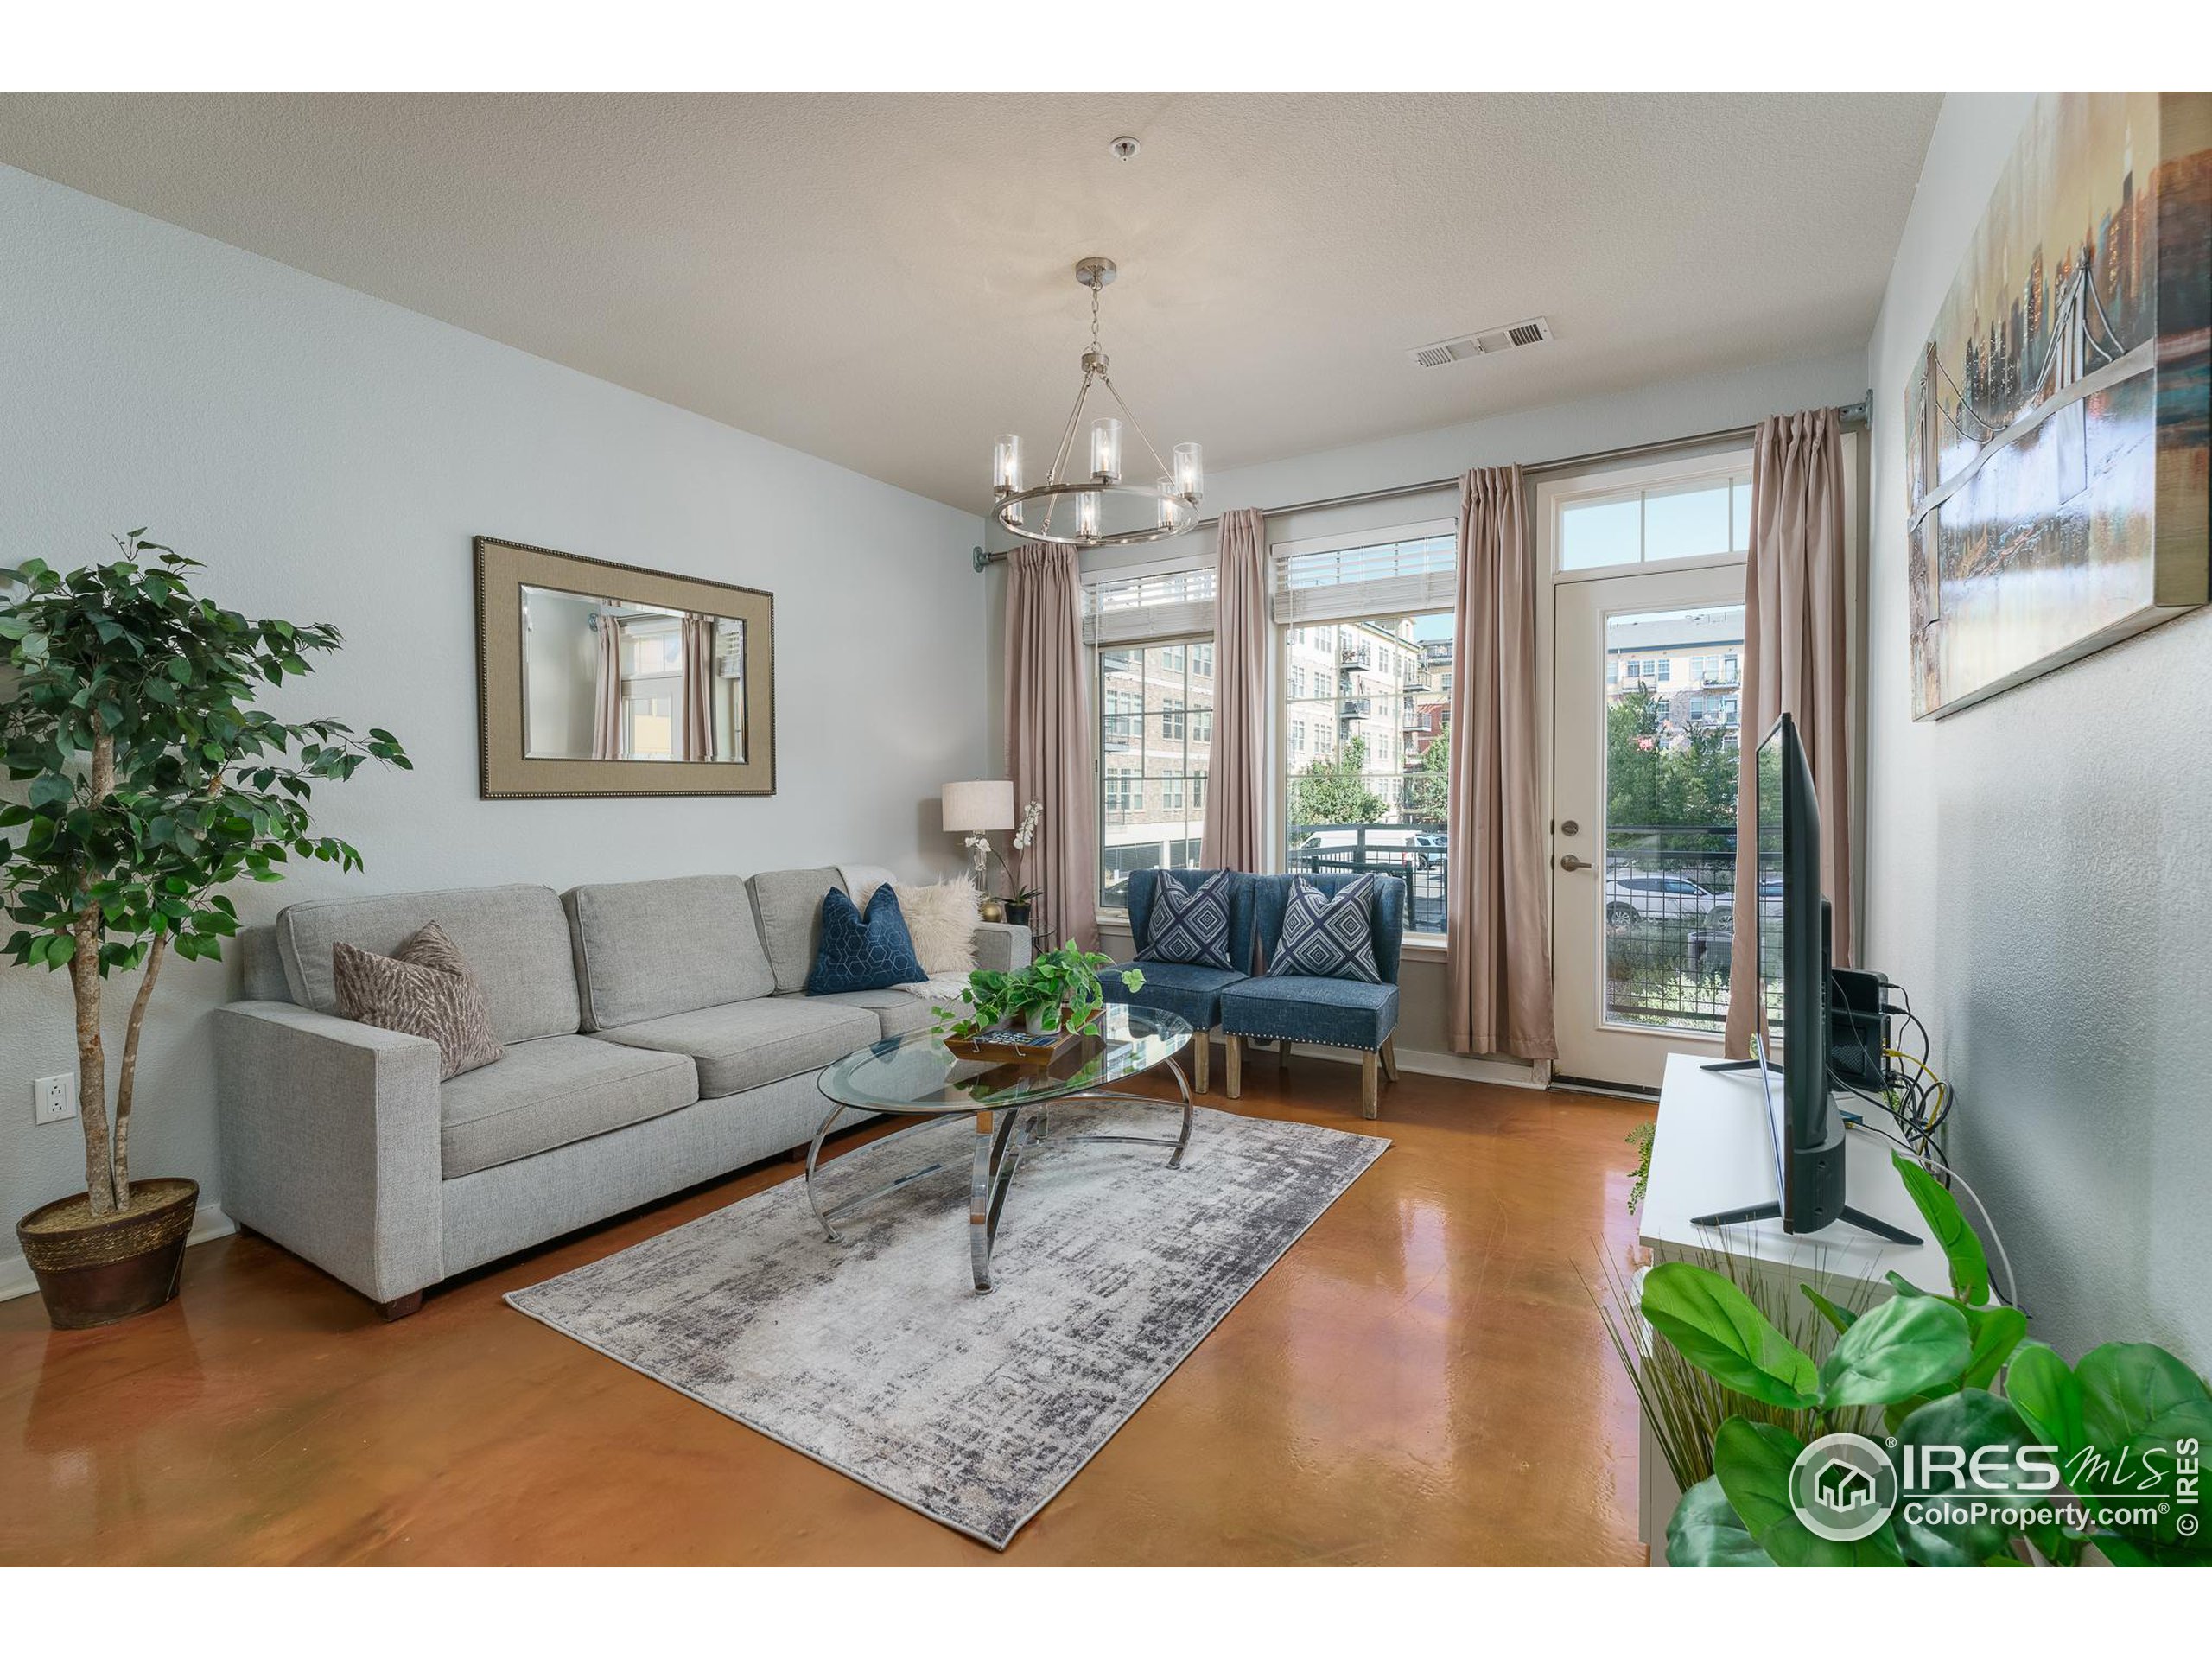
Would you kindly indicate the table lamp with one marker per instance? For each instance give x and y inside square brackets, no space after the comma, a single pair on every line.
[974,809]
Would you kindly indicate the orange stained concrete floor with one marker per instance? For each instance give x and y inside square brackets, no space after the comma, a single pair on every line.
[1422,1379]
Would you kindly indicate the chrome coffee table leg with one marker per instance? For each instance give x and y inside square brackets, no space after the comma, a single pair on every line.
[997,1155]
[813,1156]
[1181,1143]
[814,1153]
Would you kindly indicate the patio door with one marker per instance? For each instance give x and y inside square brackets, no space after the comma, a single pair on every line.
[1646,705]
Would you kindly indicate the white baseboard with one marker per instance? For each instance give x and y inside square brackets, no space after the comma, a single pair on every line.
[16,1278]
[1468,1068]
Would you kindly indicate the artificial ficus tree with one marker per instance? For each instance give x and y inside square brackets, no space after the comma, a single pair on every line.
[154,783]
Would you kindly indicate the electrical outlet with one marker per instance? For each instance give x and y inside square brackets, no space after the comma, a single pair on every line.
[53,1099]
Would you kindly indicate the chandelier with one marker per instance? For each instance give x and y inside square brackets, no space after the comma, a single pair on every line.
[1097,508]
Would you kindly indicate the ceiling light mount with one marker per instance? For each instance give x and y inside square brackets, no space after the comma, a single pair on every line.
[1099,511]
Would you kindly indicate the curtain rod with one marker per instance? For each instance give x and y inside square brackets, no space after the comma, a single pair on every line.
[1852,417]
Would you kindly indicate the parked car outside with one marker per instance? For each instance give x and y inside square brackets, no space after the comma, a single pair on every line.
[1633,896]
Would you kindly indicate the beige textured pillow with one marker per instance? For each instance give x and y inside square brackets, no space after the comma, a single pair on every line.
[425,989]
[942,920]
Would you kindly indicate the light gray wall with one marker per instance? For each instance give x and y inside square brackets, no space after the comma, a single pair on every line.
[329,456]
[1649,413]
[2037,874]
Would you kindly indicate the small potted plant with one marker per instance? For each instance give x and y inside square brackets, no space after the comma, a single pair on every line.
[1058,992]
[153,782]
[1016,905]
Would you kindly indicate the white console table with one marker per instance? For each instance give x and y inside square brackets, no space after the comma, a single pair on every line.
[1713,1152]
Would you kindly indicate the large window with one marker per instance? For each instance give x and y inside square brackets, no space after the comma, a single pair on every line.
[1155,734]
[1155,721]
[1367,644]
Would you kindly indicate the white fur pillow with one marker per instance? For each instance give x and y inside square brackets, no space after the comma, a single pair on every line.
[942,920]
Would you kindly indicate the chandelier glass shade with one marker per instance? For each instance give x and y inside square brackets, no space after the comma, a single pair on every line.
[1085,500]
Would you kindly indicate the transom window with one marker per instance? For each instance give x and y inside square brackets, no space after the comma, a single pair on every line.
[1694,518]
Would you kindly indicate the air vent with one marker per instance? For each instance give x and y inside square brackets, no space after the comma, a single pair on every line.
[1486,342]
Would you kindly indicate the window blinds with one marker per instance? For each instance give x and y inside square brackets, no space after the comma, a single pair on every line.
[1160,605]
[1380,579]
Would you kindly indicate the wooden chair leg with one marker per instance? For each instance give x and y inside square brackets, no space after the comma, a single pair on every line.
[1371,1103]
[400,1307]
[1235,1046]
[1390,1059]
[1282,1054]
[1201,1060]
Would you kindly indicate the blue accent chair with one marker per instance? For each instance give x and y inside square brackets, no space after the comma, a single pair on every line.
[1182,987]
[1335,1013]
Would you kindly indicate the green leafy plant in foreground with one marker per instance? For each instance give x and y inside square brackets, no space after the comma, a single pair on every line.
[1684,1404]
[154,781]
[1060,989]
[1942,1371]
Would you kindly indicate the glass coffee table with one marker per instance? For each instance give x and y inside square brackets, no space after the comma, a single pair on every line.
[916,1074]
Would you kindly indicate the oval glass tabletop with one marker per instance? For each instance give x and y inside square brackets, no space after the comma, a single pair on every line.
[917,1073]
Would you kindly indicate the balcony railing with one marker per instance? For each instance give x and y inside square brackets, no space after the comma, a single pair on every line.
[1413,851]
[1669,911]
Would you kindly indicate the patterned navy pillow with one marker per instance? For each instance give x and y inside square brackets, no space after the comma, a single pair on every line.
[1328,935]
[863,953]
[1188,924]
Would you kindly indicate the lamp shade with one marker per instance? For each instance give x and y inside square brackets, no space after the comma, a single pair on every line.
[986,804]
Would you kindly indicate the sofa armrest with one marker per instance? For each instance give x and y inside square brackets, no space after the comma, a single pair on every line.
[331,1143]
[1002,947]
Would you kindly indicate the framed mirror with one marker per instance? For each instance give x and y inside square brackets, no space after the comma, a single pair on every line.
[595,678]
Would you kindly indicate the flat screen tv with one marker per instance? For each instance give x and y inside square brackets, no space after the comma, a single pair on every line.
[1791,1026]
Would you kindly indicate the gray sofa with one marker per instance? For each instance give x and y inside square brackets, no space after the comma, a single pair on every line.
[657,1036]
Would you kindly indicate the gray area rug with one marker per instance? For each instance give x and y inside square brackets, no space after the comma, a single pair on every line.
[877,1358]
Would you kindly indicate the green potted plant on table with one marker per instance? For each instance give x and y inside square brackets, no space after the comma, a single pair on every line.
[1995,1451]
[153,783]
[1060,991]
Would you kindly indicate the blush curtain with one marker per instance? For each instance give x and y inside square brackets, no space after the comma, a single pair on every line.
[695,724]
[1498,948]
[606,693]
[1235,767]
[1795,662]
[1048,741]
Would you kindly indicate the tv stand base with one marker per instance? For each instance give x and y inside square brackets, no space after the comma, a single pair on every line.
[1857,1218]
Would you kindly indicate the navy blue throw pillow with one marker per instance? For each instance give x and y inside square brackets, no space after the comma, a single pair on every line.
[871,952]
[1188,924]
[1328,935]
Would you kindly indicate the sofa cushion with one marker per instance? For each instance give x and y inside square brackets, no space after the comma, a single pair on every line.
[646,948]
[1341,1012]
[1328,935]
[868,950]
[741,1045]
[551,1091]
[942,920]
[516,938]
[902,1009]
[1179,987]
[1189,925]
[425,989]
[789,902]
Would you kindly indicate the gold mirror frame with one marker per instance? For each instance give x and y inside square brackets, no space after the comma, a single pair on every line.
[506,773]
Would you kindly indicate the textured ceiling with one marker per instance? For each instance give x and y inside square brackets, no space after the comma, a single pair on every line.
[883,280]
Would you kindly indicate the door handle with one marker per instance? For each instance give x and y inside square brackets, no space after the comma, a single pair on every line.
[1571,862]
